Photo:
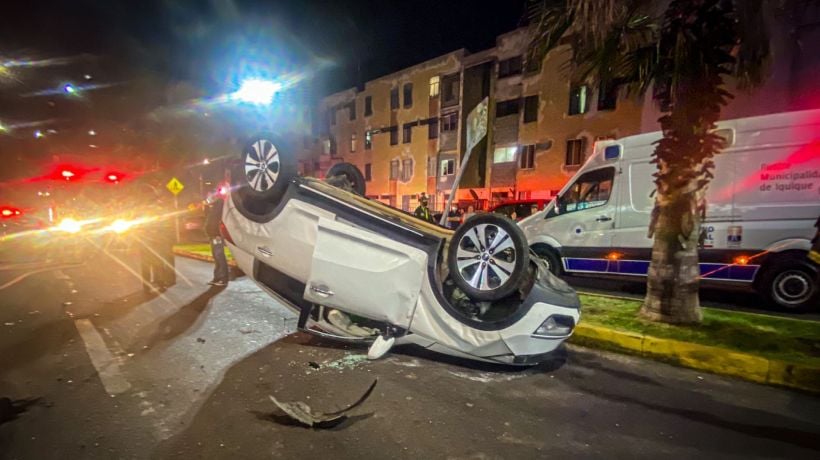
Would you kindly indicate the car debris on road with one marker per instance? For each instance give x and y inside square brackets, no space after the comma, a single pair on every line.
[302,413]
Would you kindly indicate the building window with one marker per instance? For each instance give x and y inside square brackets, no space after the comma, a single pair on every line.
[510,67]
[394,135]
[504,154]
[368,140]
[408,95]
[326,146]
[332,144]
[575,151]
[368,172]
[608,96]
[450,87]
[448,167]
[434,86]
[431,167]
[394,169]
[449,122]
[352,143]
[351,107]
[394,99]
[407,133]
[368,106]
[578,100]
[527,160]
[504,108]
[406,169]
[432,129]
[531,109]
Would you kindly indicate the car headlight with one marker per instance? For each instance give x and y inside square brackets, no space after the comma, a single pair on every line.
[555,326]
[70,225]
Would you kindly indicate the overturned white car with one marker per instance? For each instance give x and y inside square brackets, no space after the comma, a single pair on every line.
[358,270]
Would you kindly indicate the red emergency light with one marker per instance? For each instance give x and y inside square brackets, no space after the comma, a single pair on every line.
[7,212]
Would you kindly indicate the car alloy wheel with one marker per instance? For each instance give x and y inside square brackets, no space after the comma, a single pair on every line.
[262,165]
[486,257]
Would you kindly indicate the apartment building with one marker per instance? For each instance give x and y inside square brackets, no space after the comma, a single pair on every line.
[405,131]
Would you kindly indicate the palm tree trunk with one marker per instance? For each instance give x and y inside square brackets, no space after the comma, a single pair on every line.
[672,284]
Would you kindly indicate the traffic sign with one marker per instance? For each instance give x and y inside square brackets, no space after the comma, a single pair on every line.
[174,186]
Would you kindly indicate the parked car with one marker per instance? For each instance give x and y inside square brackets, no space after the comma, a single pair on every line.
[331,255]
[519,209]
[762,205]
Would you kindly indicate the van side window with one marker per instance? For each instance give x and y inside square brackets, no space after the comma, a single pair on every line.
[590,190]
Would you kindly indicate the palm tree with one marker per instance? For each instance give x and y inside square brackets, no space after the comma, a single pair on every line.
[683,50]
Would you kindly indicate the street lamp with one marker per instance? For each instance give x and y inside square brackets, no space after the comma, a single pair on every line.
[257,91]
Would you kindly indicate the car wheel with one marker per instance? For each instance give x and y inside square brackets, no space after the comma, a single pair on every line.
[548,256]
[791,285]
[488,257]
[267,167]
[350,173]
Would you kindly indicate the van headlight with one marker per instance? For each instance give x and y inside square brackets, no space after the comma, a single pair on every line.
[555,326]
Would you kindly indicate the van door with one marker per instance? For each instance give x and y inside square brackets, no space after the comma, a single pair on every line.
[363,273]
[584,216]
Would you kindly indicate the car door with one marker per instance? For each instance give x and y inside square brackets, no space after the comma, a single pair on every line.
[363,273]
[585,213]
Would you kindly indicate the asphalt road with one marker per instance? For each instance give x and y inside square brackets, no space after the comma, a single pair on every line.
[98,369]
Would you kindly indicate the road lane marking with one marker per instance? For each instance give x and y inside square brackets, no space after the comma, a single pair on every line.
[34,272]
[104,362]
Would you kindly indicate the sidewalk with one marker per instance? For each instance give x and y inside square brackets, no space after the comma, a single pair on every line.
[755,367]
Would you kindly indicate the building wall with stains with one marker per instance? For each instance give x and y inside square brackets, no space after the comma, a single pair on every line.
[413,151]
[554,126]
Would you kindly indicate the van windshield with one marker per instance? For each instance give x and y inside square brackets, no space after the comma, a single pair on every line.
[590,190]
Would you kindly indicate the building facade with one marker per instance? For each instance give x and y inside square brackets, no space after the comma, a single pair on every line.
[406,131]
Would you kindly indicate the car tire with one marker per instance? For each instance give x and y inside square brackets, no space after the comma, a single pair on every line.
[267,167]
[791,284]
[488,257]
[549,256]
[351,174]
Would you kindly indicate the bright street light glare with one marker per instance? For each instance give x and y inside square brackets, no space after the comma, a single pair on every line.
[70,225]
[69,89]
[257,91]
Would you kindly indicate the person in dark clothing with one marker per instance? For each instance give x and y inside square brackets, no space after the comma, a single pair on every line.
[422,211]
[212,222]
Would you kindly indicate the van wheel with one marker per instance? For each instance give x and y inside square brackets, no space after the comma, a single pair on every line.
[488,256]
[548,256]
[791,285]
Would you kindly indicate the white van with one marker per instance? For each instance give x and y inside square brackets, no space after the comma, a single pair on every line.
[762,206]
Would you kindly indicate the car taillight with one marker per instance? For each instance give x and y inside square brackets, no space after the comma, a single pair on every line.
[223,230]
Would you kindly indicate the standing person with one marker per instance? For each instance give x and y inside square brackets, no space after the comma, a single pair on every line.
[454,217]
[212,223]
[470,212]
[422,211]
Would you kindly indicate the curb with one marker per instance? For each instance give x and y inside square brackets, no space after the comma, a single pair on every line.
[204,258]
[703,357]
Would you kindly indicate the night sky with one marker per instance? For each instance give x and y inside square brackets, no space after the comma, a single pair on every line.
[204,41]
[141,58]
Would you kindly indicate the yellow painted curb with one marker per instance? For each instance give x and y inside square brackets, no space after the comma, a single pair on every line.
[712,359]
